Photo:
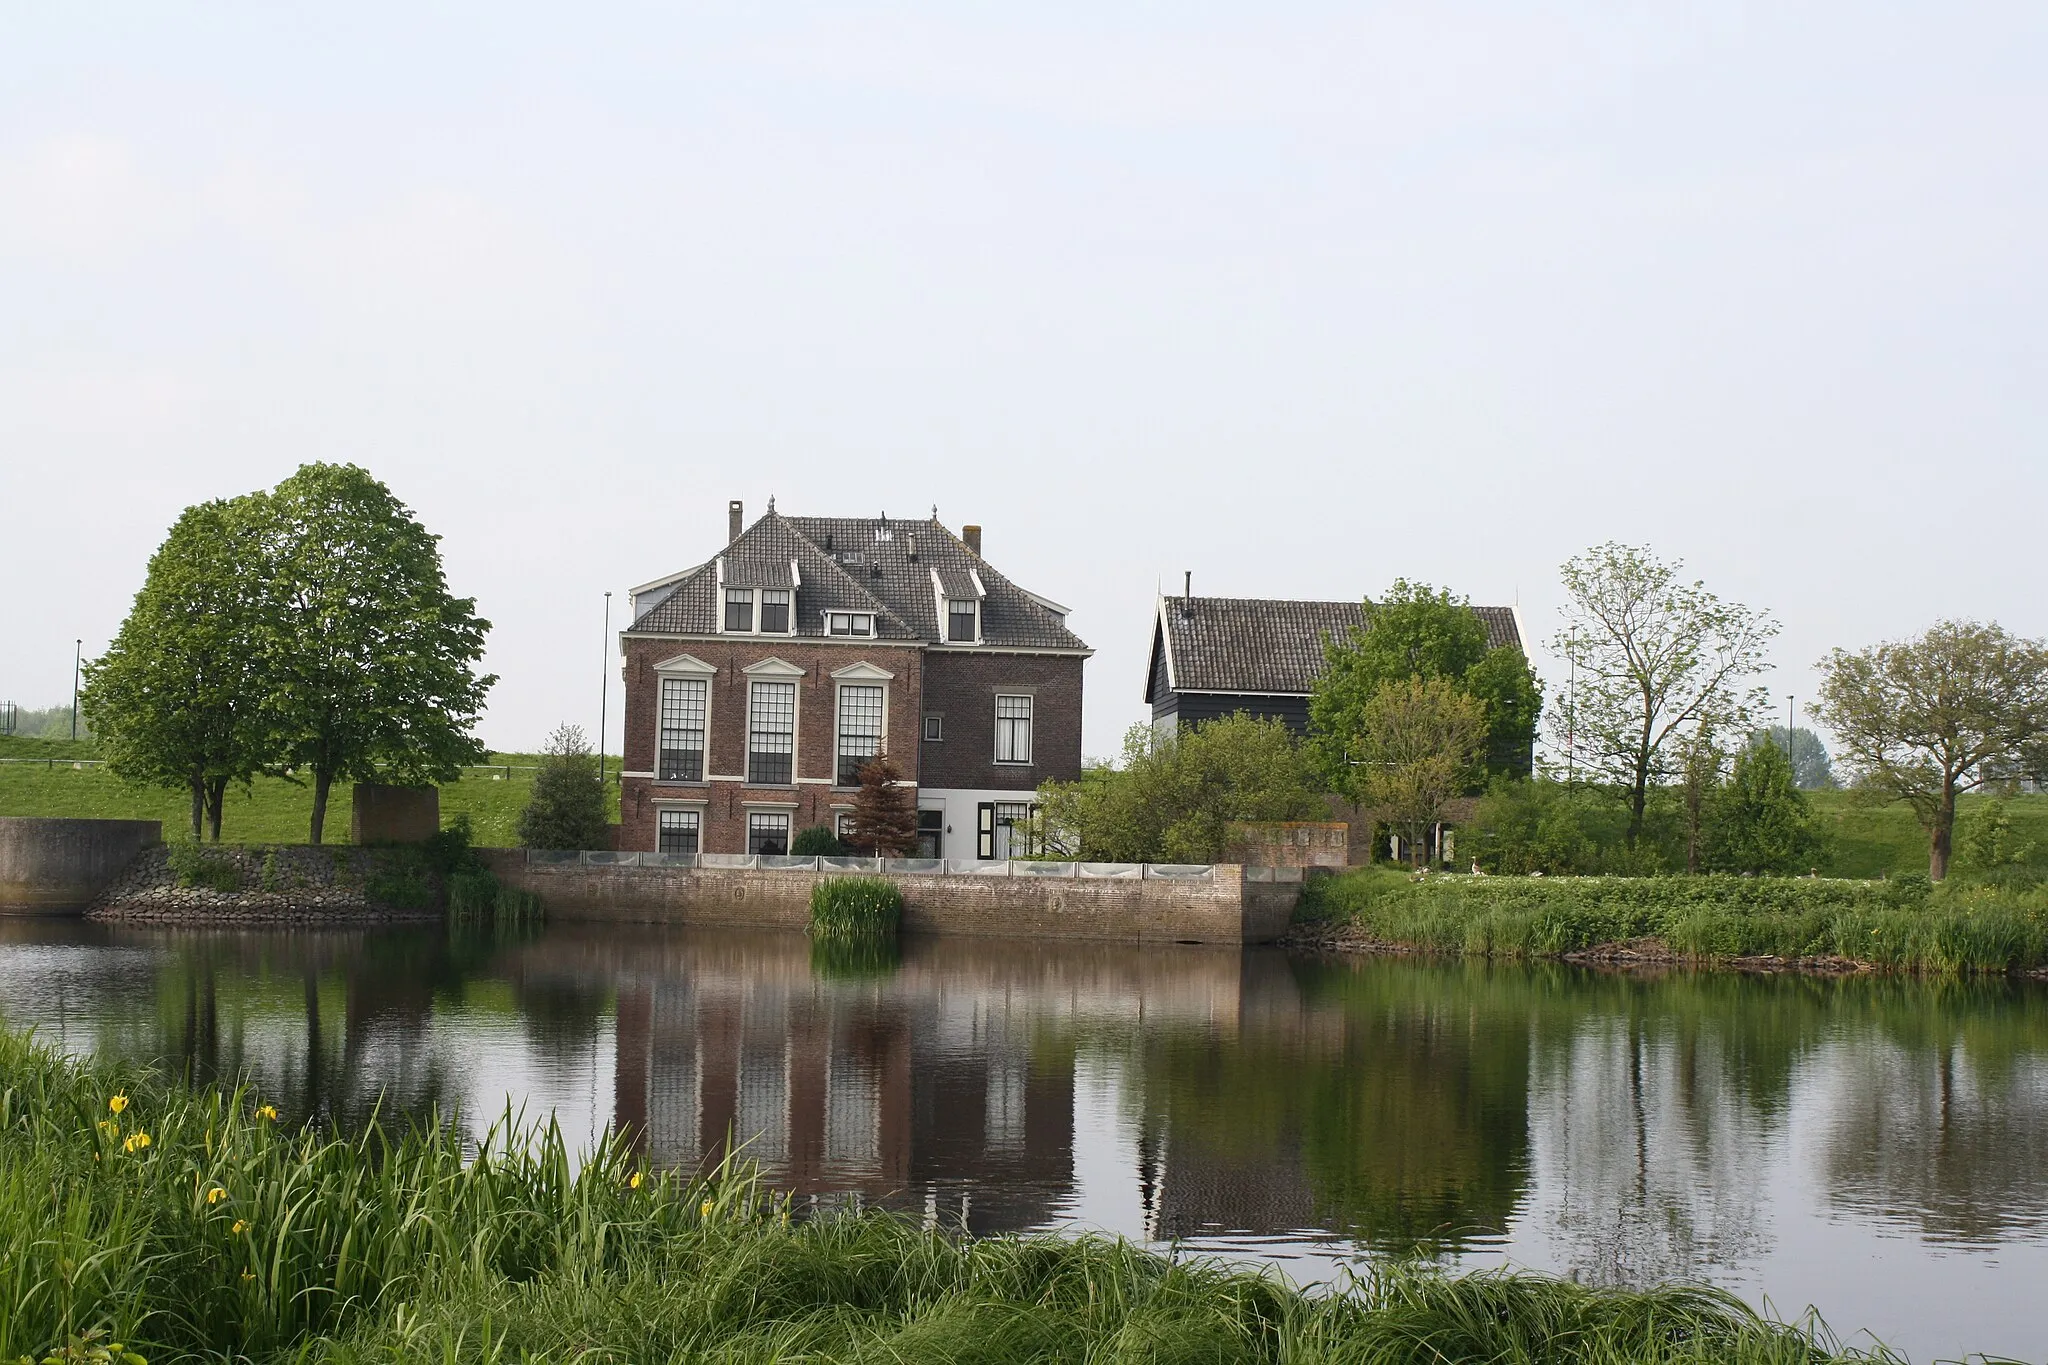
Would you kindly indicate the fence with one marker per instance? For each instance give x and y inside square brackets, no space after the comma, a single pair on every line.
[923,867]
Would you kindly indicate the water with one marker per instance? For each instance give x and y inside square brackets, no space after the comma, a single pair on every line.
[1877,1149]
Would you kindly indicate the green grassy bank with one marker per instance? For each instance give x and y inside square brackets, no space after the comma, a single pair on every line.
[227,1233]
[1902,923]
[270,811]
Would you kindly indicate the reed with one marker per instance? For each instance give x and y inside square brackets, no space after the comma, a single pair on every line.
[1902,924]
[231,1234]
[855,907]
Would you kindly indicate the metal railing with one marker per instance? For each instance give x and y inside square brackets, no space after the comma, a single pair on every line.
[925,867]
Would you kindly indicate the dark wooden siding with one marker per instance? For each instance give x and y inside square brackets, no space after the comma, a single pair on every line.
[1192,708]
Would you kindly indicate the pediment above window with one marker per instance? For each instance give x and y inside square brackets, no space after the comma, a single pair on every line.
[773,668]
[685,663]
[862,672]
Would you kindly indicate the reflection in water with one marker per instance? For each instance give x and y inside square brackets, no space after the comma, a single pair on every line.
[1620,1129]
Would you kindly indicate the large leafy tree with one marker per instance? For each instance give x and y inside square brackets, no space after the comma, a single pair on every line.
[371,661]
[1416,631]
[175,698]
[1925,720]
[1656,661]
[1418,747]
[1172,796]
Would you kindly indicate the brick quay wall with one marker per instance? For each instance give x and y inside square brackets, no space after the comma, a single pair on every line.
[1222,907]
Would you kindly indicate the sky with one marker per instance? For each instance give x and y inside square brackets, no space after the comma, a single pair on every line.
[1298,298]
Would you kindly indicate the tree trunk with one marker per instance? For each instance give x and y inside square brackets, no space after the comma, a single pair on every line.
[216,793]
[197,786]
[323,781]
[1942,836]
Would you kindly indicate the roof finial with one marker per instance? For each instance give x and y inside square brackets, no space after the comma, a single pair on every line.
[771,502]
[935,511]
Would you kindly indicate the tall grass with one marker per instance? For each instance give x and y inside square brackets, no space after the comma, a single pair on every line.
[1901,924]
[233,1235]
[855,907]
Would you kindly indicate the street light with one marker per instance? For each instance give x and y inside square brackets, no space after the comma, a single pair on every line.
[604,688]
[77,654]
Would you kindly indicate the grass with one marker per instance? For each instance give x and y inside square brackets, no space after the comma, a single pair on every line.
[271,811]
[1900,924]
[855,908]
[1871,839]
[232,1234]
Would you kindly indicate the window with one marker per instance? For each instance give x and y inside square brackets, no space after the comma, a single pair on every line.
[1006,829]
[860,730]
[679,831]
[767,831]
[843,827]
[771,734]
[739,609]
[931,834]
[1013,729]
[963,620]
[682,729]
[849,623]
[774,611]
[934,730]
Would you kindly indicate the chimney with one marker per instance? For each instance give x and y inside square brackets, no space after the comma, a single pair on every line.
[911,541]
[972,535]
[735,513]
[1187,596]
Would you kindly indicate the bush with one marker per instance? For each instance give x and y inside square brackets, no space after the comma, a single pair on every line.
[853,907]
[567,809]
[195,866]
[816,842]
[400,878]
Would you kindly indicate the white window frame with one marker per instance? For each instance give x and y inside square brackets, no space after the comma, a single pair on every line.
[860,625]
[725,605]
[788,605]
[684,666]
[695,812]
[776,671]
[787,817]
[975,604]
[935,729]
[1029,718]
[861,674]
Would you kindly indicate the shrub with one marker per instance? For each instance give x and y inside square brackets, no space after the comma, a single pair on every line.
[196,866]
[567,808]
[400,878]
[855,906]
[815,842]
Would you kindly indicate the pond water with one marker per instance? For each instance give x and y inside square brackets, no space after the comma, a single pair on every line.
[1877,1149]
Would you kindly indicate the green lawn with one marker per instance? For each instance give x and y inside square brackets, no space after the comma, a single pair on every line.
[272,811]
[1870,840]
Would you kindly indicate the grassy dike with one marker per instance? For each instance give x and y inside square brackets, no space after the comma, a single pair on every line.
[1901,924]
[193,1224]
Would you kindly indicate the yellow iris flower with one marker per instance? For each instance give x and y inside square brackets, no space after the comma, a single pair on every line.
[241,1226]
[215,1195]
[268,1111]
[135,1142]
[118,1103]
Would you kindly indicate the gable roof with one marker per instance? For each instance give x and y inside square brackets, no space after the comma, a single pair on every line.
[1264,645]
[860,564]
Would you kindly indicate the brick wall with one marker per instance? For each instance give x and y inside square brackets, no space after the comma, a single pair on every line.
[961,688]
[1223,910]
[725,814]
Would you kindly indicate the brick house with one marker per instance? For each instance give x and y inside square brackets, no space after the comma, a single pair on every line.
[760,681]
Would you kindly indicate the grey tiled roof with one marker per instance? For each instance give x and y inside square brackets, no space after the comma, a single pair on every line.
[1270,645]
[864,564]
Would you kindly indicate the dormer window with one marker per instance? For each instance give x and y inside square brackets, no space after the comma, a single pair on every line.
[963,620]
[774,611]
[739,609]
[860,623]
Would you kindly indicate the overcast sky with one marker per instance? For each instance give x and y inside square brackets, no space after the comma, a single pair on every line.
[1301,299]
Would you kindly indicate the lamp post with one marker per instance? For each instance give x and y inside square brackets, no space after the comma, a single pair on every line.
[77,654]
[604,688]
[1793,763]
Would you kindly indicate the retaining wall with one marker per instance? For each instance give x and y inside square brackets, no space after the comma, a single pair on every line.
[1128,903]
[54,867]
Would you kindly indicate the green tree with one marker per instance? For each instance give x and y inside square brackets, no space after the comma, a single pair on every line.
[567,808]
[1760,820]
[1925,720]
[884,810]
[1986,841]
[1654,660]
[1418,746]
[1416,631]
[1699,781]
[1172,796]
[175,698]
[370,660]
